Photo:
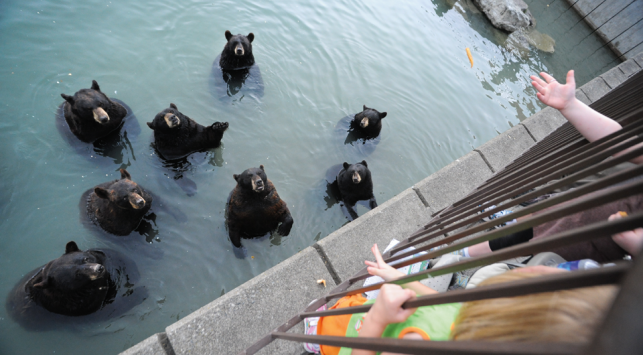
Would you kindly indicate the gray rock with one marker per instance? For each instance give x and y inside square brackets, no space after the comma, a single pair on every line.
[508,15]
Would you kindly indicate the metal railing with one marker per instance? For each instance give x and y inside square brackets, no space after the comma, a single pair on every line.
[562,158]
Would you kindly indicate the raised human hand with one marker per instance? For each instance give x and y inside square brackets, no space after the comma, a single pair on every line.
[380,268]
[553,93]
[387,308]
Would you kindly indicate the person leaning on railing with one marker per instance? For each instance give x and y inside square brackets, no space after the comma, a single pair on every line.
[593,126]
[562,316]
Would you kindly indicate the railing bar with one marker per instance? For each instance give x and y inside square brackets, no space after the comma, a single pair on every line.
[544,283]
[563,209]
[591,232]
[421,347]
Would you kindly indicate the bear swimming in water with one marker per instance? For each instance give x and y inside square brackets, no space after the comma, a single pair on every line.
[367,124]
[118,206]
[355,184]
[177,135]
[254,207]
[91,115]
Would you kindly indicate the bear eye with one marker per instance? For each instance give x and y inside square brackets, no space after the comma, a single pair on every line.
[85,260]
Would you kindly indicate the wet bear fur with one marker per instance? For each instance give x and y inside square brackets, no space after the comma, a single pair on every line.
[118,206]
[177,135]
[255,208]
[75,284]
[237,53]
[355,184]
[91,115]
[368,123]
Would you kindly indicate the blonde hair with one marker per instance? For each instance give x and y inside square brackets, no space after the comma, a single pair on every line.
[561,316]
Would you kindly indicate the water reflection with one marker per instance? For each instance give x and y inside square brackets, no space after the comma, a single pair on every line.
[116,148]
[234,85]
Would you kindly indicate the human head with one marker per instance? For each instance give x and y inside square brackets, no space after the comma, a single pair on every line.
[562,316]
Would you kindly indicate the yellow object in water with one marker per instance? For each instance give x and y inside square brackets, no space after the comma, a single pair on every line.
[470,57]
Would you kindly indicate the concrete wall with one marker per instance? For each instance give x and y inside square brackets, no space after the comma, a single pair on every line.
[242,316]
[618,22]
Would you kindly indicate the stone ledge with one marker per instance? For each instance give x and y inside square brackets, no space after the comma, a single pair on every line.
[580,95]
[454,181]
[595,89]
[506,147]
[629,67]
[638,59]
[348,247]
[150,346]
[242,316]
[614,77]
[543,122]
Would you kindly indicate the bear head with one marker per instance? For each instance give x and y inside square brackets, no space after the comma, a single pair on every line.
[76,270]
[253,179]
[90,104]
[369,117]
[358,172]
[239,45]
[124,193]
[166,120]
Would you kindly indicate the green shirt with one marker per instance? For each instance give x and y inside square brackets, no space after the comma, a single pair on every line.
[434,321]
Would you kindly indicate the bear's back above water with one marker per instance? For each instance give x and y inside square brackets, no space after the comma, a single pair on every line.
[118,206]
[91,115]
[255,208]
[237,52]
[367,124]
[177,135]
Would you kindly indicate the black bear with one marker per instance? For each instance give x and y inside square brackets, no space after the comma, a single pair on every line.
[237,52]
[254,207]
[91,115]
[177,135]
[76,284]
[367,124]
[355,184]
[118,206]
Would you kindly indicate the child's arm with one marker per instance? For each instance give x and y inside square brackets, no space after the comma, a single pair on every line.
[385,310]
[591,124]
[389,273]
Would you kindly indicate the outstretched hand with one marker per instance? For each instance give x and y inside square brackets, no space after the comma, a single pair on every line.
[380,268]
[631,241]
[387,308]
[553,93]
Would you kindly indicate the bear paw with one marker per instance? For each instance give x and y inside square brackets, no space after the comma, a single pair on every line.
[220,126]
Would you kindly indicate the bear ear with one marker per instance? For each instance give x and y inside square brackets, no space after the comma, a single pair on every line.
[365,108]
[151,125]
[364,163]
[125,174]
[68,98]
[261,167]
[382,115]
[71,247]
[95,85]
[228,35]
[346,165]
[42,284]
[173,106]
[102,193]
[236,177]
[251,37]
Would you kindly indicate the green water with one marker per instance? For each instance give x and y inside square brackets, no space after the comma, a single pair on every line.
[319,61]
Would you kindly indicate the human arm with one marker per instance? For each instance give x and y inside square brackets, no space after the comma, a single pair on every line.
[631,241]
[590,123]
[386,310]
[389,273]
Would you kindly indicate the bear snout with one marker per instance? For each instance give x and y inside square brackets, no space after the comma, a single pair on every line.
[136,201]
[356,178]
[172,120]
[257,185]
[97,271]
[238,50]
[100,115]
[364,122]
